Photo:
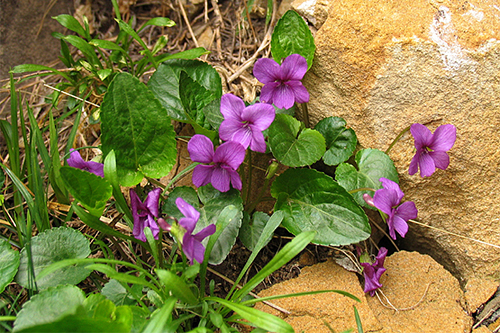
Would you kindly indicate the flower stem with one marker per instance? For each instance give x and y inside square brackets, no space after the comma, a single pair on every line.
[397,139]
[249,184]
[243,177]
[305,115]
[263,190]
[179,175]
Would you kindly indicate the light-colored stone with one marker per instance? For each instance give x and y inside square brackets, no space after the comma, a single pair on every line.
[412,280]
[315,11]
[308,313]
[428,297]
[478,292]
[383,65]
[481,329]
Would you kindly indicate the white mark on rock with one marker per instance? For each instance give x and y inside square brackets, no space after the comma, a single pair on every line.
[443,34]
[307,9]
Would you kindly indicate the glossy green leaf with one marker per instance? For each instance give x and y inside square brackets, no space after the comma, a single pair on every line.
[90,190]
[49,247]
[259,318]
[122,277]
[292,36]
[177,286]
[165,85]
[50,305]
[185,192]
[372,165]
[194,98]
[9,262]
[340,141]
[138,129]
[312,200]
[294,145]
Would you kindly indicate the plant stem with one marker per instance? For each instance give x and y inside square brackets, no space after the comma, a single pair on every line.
[361,189]
[397,139]
[249,184]
[254,204]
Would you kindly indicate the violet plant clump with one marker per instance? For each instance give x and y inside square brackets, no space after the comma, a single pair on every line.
[431,148]
[233,193]
[282,83]
[76,161]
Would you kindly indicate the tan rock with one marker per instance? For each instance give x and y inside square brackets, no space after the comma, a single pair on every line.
[383,65]
[315,11]
[482,329]
[308,313]
[478,292]
[428,297]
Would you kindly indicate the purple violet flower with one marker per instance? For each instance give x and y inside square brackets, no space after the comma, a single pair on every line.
[76,161]
[144,213]
[431,148]
[191,244]
[373,272]
[222,165]
[282,84]
[245,124]
[388,199]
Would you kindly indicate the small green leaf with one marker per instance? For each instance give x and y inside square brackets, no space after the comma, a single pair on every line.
[72,24]
[177,286]
[372,165]
[165,83]
[161,317]
[90,190]
[340,141]
[138,129]
[106,44]
[85,47]
[292,145]
[49,305]
[51,246]
[292,36]
[159,22]
[9,262]
[115,292]
[188,54]
[312,200]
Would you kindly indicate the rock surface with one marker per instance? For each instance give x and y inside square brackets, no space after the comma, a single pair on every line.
[383,65]
[411,281]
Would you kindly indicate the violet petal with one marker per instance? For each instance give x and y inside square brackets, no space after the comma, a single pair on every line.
[201,149]
[231,107]
[220,179]
[230,153]
[266,70]
[300,92]
[440,158]
[259,115]
[294,67]
[202,175]
[422,135]
[443,138]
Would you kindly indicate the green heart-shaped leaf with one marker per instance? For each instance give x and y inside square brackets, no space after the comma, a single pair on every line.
[340,141]
[372,164]
[312,200]
[139,130]
[292,145]
[51,246]
[165,83]
[9,262]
